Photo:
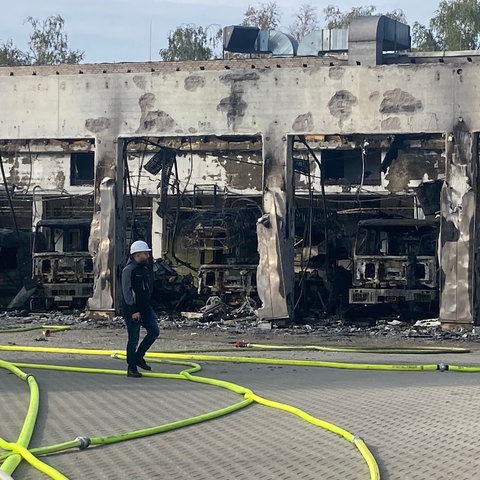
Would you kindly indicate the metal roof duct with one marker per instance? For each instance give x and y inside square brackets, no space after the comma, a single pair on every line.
[280,43]
[370,36]
[318,42]
[366,40]
[240,39]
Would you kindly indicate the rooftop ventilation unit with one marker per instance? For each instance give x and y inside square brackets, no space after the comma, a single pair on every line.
[370,36]
[318,42]
[280,43]
[240,39]
[366,40]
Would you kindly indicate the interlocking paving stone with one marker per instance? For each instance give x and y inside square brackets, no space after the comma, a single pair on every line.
[419,425]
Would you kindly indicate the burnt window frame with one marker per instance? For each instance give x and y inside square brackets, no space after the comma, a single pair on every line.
[86,174]
[336,163]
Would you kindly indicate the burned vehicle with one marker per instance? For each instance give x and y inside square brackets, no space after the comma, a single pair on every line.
[395,261]
[62,264]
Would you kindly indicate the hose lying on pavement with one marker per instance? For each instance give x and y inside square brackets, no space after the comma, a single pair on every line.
[385,350]
[52,328]
[26,433]
[186,374]
[17,450]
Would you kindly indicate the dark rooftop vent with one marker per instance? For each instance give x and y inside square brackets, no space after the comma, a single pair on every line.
[240,39]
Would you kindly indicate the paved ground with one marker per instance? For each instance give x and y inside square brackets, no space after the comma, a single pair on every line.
[418,425]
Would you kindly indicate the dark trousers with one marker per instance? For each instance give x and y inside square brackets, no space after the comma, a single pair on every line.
[149,322]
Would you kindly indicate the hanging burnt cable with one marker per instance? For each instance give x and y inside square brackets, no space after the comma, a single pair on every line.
[9,198]
[180,197]
[328,269]
[362,176]
[252,203]
[133,198]
[322,186]
[307,232]
[133,227]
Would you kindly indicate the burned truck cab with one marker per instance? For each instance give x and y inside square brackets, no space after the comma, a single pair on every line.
[395,261]
[62,264]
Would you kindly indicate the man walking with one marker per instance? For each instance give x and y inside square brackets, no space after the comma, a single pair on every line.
[138,311]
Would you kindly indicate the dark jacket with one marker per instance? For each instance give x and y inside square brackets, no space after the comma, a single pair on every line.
[136,287]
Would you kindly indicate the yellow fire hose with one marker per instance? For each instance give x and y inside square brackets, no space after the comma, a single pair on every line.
[15,451]
[26,433]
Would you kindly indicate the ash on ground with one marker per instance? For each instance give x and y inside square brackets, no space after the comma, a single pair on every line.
[192,323]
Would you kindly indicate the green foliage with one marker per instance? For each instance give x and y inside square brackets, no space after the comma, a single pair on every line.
[12,56]
[306,20]
[47,45]
[265,17]
[423,39]
[191,43]
[335,18]
[456,26]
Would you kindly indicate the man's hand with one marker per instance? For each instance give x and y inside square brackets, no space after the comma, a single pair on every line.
[136,316]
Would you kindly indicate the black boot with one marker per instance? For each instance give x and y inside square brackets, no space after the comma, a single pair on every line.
[142,364]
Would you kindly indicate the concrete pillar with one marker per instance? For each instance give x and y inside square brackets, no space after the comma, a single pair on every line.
[275,230]
[457,239]
[107,236]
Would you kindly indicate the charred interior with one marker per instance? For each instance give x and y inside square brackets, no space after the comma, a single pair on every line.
[329,184]
[198,201]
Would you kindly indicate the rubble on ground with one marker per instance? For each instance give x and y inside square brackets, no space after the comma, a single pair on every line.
[326,328]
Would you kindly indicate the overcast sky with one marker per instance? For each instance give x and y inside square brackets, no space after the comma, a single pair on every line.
[135,30]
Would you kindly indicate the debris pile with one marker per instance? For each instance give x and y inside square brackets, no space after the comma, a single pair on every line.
[327,328]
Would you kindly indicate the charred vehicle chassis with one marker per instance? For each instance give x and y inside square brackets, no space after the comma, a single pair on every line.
[62,264]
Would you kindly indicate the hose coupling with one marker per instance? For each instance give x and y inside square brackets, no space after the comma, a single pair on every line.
[442,367]
[241,345]
[84,442]
[356,439]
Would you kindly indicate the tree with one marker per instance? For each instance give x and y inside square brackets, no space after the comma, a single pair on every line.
[456,26]
[306,20]
[424,39]
[12,56]
[189,42]
[48,45]
[334,18]
[265,17]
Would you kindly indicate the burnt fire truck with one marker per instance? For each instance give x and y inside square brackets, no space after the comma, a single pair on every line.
[395,261]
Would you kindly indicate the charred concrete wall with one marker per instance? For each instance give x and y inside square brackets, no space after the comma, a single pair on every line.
[312,99]
[271,98]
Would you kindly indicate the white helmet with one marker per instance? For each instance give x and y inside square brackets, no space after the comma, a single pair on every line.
[139,246]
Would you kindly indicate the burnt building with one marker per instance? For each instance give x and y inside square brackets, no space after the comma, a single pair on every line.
[252,174]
